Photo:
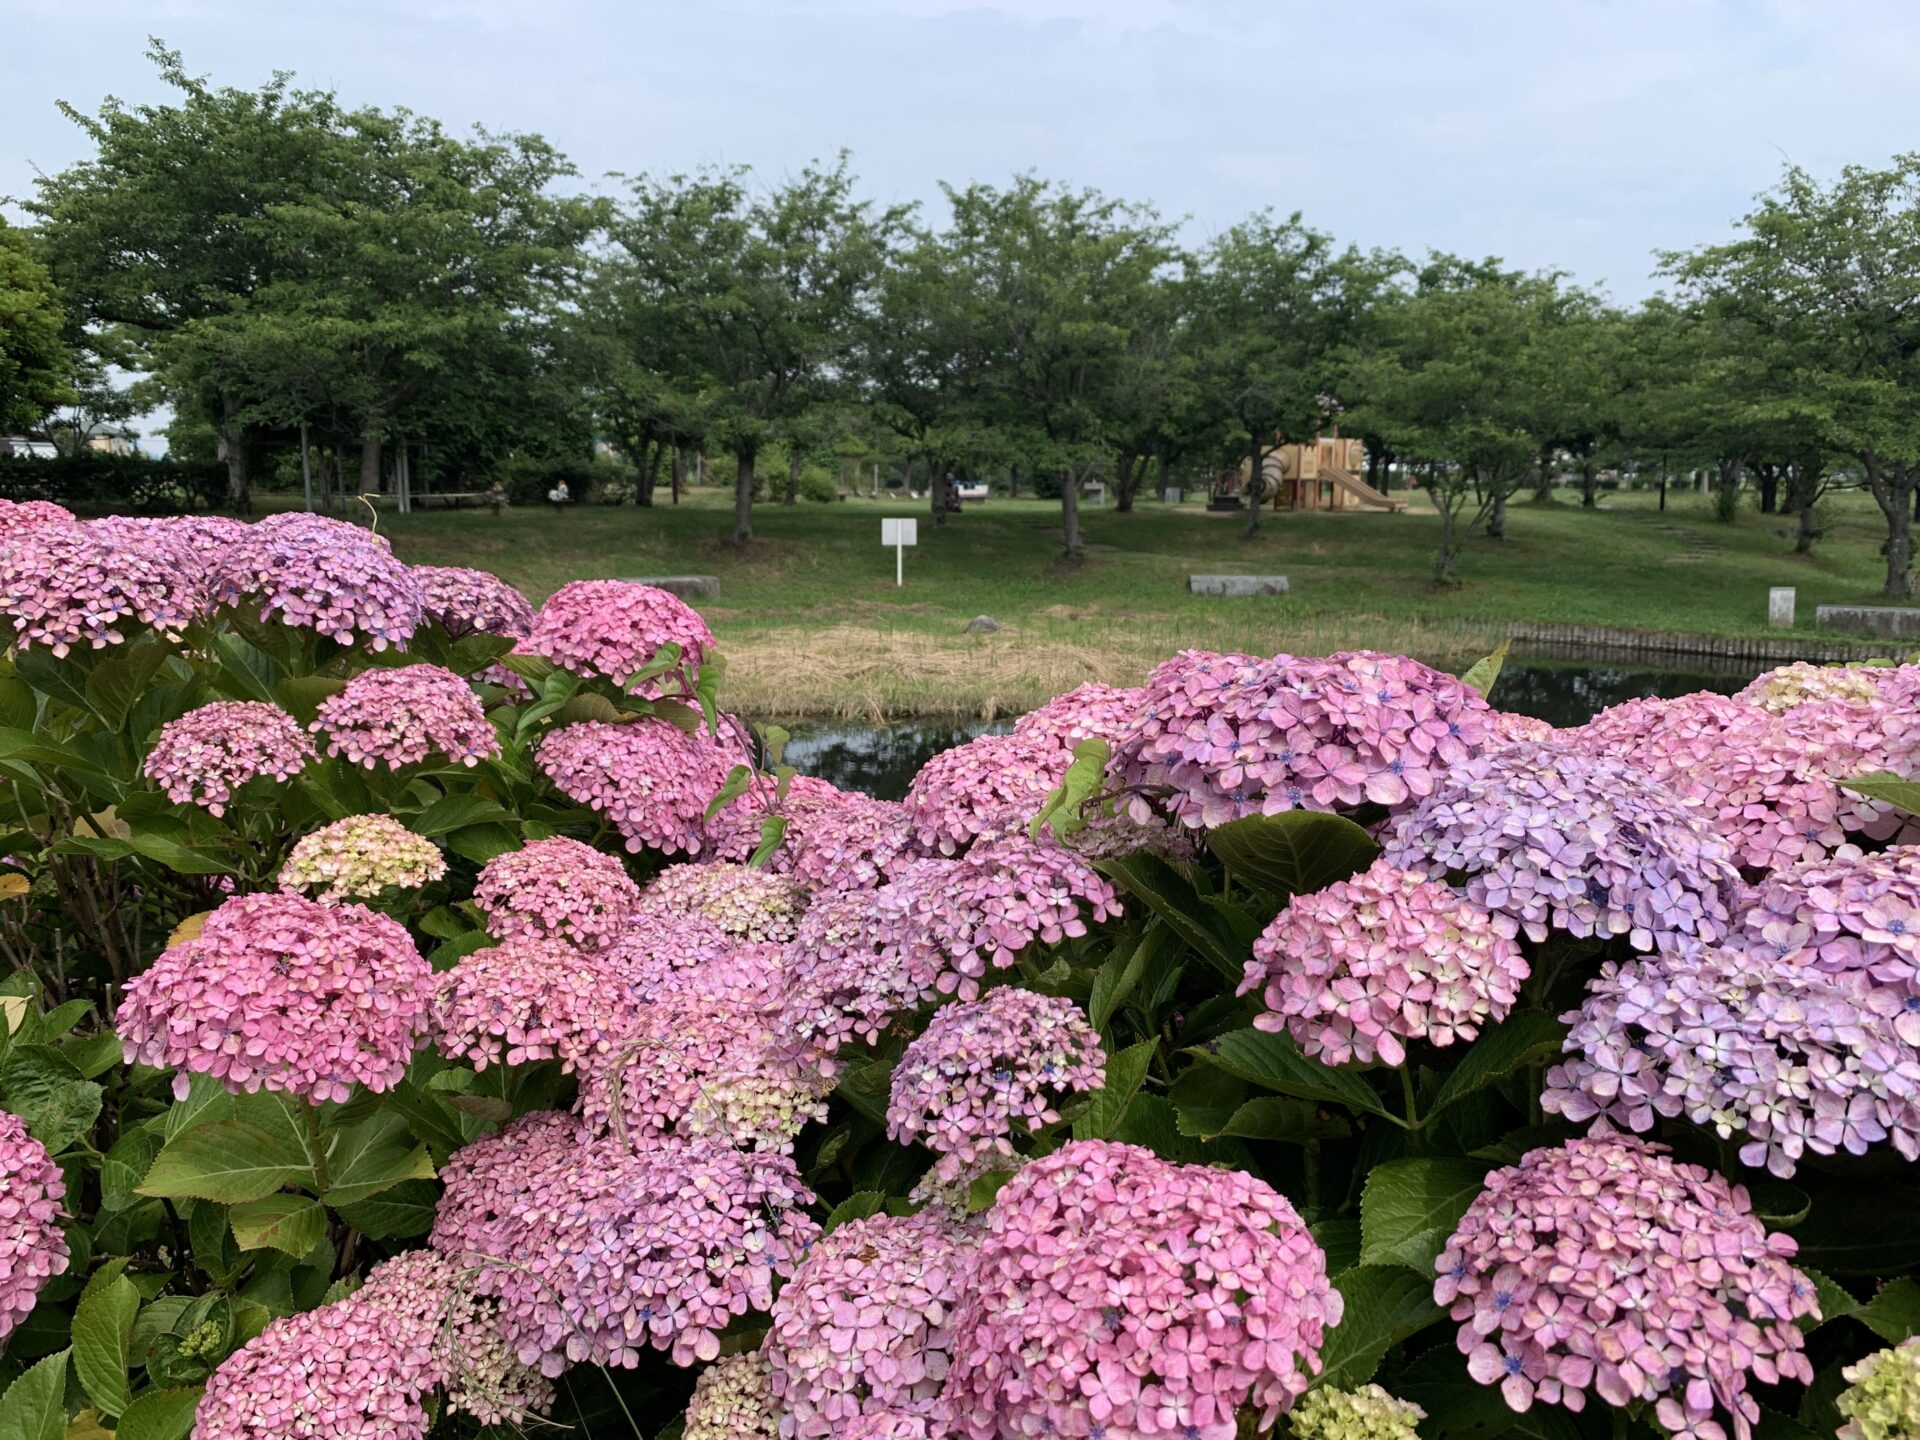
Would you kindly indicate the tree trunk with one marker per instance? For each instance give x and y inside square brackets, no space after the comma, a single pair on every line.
[642,470]
[937,489]
[743,495]
[1013,482]
[370,461]
[679,471]
[793,478]
[1256,489]
[1894,489]
[1070,510]
[1769,482]
[1449,543]
[1589,485]
[1166,464]
[1803,488]
[1543,478]
[1726,499]
[654,460]
[1497,517]
[232,448]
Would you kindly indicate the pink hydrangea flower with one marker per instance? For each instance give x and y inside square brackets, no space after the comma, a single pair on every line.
[833,840]
[282,993]
[1602,1264]
[749,904]
[612,628]
[656,946]
[556,888]
[651,779]
[986,1070]
[1508,727]
[1358,969]
[207,754]
[72,587]
[1777,1052]
[347,1371]
[17,516]
[1089,712]
[1225,736]
[731,1402]
[983,787]
[33,1247]
[1556,839]
[865,1327]
[471,602]
[406,716]
[597,1252]
[848,975]
[361,858]
[1115,1292]
[528,998]
[982,910]
[429,1297]
[322,575]
[695,1065]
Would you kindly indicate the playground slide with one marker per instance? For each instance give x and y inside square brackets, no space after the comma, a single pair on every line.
[1359,488]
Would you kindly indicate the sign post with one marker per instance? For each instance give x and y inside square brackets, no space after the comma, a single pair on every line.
[899,534]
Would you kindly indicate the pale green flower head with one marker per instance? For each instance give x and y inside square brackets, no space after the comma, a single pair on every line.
[1884,1401]
[1368,1413]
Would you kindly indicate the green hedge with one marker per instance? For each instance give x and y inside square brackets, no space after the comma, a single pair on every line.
[126,484]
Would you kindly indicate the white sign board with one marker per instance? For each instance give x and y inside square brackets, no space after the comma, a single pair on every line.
[899,534]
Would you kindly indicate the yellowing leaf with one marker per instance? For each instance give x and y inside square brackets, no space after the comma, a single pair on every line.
[13,886]
[106,824]
[187,929]
[13,1009]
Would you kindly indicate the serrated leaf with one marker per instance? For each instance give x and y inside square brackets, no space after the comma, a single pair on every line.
[34,1407]
[1902,794]
[1519,1040]
[1485,672]
[773,830]
[1118,977]
[1835,1302]
[1297,852]
[1862,1230]
[229,1161]
[1126,1072]
[1267,1117]
[1893,1314]
[1271,1059]
[1410,1207]
[1082,781]
[376,1155]
[1383,1305]
[292,1224]
[985,1189]
[455,812]
[858,1206]
[103,1342]
[47,1090]
[1170,895]
[160,1415]
[115,684]
[483,842]
[126,1165]
[731,789]
[398,1214]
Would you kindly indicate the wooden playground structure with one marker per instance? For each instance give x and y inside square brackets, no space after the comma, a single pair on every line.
[1321,474]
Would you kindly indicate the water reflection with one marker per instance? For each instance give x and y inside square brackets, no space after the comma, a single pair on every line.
[882,760]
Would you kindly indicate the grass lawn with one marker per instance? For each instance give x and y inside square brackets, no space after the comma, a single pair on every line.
[811,622]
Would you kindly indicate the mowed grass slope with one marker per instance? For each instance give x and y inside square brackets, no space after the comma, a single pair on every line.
[812,623]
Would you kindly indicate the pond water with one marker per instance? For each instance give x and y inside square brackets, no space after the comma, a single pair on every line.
[882,760]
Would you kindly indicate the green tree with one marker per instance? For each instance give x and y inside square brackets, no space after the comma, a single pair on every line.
[754,295]
[35,364]
[1825,282]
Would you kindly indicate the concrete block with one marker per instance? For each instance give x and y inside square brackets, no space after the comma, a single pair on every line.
[1235,585]
[1780,607]
[1898,621]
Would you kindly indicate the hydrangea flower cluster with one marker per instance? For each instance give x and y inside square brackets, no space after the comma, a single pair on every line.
[847,977]
[1117,1290]
[471,602]
[988,1069]
[69,586]
[1365,965]
[1743,1043]
[651,779]
[750,904]
[1228,736]
[865,1327]
[695,1065]
[528,998]
[1882,1398]
[207,754]
[1604,1264]
[889,1425]
[345,1370]
[612,628]
[833,841]
[597,1252]
[359,858]
[322,575]
[1091,712]
[1508,727]
[1856,916]
[1802,683]
[17,516]
[556,888]
[33,1247]
[427,1294]
[1368,1413]
[985,908]
[282,993]
[658,951]
[982,787]
[1564,841]
[405,716]
[731,1402]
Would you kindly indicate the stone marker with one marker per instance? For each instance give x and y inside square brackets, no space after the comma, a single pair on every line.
[1237,584]
[1780,607]
[1894,620]
[687,587]
[1172,495]
[981,625]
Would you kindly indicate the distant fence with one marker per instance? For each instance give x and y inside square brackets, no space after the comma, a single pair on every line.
[1678,645]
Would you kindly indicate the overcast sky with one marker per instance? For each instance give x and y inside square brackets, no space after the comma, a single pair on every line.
[1579,134]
